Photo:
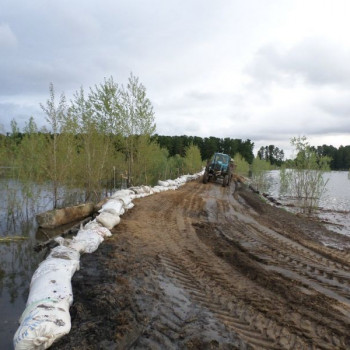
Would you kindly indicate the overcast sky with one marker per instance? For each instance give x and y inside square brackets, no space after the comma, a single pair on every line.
[265,70]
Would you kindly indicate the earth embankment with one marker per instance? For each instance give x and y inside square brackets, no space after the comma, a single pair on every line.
[208,267]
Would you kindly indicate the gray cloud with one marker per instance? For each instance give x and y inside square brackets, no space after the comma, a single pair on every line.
[336,105]
[22,113]
[314,60]
[8,39]
[190,55]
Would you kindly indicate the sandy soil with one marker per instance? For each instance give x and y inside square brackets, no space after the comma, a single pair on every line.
[207,267]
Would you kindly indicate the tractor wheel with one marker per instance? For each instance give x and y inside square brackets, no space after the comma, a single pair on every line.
[225,181]
[205,177]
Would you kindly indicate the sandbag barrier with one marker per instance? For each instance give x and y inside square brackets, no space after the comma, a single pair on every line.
[46,317]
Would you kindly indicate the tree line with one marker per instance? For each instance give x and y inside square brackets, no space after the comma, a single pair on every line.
[207,146]
[339,157]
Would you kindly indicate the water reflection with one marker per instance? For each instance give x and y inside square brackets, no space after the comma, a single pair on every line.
[334,204]
[20,202]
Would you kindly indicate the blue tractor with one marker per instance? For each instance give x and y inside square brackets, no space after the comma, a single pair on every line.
[218,167]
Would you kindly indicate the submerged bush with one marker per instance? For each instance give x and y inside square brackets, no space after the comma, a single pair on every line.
[305,180]
[260,168]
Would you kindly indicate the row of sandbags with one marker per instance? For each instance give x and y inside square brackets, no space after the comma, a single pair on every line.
[122,200]
[46,317]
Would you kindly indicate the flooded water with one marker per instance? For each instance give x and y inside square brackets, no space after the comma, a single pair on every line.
[334,204]
[17,221]
[18,236]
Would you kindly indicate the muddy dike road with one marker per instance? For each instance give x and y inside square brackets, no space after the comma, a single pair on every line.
[208,267]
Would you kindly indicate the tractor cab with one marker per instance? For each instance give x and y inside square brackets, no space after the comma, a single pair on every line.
[218,167]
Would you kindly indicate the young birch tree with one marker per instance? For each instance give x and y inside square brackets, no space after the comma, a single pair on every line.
[136,117]
[193,160]
[93,117]
[306,178]
[54,116]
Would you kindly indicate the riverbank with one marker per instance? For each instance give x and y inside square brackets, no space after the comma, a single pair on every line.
[212,267]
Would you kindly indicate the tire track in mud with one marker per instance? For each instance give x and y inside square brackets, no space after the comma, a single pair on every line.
[179,316]
[267,245]
[210,286]
[290,246]
[311,265]
[299,259]
[204,269]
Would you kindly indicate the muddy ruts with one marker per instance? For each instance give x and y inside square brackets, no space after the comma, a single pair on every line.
[201,268]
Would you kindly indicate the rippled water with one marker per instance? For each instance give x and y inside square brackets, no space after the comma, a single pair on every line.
[337,195]
[334,203]
[18,260]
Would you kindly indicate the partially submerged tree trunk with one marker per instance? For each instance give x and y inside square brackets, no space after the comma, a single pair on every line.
[57,217]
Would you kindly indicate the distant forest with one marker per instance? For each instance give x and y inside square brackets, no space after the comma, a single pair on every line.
[207,146]
[340,156]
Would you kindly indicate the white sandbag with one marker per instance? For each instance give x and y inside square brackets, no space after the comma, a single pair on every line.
[64,266]
[86,241]
[79,246]
[91,225]
[126,199]
[142,195]
[114,204]
[181,180]
[52,280]
[163,183]
[62,252]
[172,182]
[131,204]
[147,189]
[108,220]
[158,189]
[142,190]
[113,212]
[138,189]
[98,228]
[122,193]
[103,231]
[41,324]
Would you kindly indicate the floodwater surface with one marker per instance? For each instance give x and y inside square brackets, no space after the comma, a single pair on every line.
[334,204]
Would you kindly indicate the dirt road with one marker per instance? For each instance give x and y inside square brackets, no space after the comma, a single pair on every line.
[208,267]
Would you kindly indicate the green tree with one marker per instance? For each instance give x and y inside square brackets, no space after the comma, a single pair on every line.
[31,153]
[150,161]
[104,105]
[12,143]
[272,154]
[55,162]
[242,166]
[193,160]
[260,168]
[97,158]
[135,117]
[30,162]
[305,180]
